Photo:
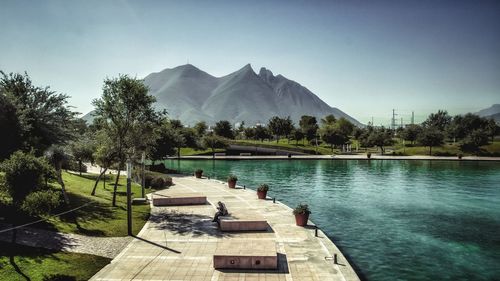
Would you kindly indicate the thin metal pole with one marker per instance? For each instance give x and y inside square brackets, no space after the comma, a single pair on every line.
[129,199]
[143,182]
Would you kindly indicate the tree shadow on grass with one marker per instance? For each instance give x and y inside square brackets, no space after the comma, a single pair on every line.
[185,224]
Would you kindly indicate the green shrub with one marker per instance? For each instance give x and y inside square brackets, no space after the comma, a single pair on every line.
[41,202]
[158,183]
[263,187]
[232,178]
[73,165]
[301,209]
[151,179]
[25,173]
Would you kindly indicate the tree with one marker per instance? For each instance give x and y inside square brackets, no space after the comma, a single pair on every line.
[261,133]
[410,132]
[224,129]
[56,156]
[474,140]
[23,174]
[328,120]
[297,135]
[43,115]
[431,136]
[380,137]
[438,120]
[344,126]
[82,150]
[167,140]
[275,127]
[332,135]
[176,124]
[105,155]
[249,133]
[214,142]
[200,128]
[492,129]
[287,127]
[128,117]
[309,126]
[9,122]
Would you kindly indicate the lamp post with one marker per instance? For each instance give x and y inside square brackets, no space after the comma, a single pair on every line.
[143,180]
[129,198]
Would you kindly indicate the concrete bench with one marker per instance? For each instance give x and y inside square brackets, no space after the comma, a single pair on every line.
[253,254]
[245,223]
[179,199]
[245,154]
[220,154]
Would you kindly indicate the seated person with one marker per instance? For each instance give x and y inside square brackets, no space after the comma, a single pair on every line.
[222,211]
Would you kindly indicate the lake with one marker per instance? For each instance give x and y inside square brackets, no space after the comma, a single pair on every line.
[406,220]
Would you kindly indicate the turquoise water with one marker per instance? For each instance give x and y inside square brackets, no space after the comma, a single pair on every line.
[395,220]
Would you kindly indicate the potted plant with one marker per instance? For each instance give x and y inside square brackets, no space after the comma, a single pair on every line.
[198,173]
[231,181]
[301,213]
[262,191]
[368,155]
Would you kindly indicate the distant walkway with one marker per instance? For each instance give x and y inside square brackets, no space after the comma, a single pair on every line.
[108,247]
[343,157]
[178,242]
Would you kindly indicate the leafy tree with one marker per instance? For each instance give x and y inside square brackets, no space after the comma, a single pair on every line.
[328,120]
[275,127]
[105,155]
[224,129]
[56,156]
[344,126]
[261,133]
[167,141]
[176,124]
[82,150]
[332,135]
[287,127]
[43,115]
[128,117]
[200,128]
[241,129]
[249,133]
[213,142]
[309,126]
[25,173]
[438,120]
[298,135]
[474,140]
[410,132]
[492,129]
[431,136]
[380,137]
[9,122]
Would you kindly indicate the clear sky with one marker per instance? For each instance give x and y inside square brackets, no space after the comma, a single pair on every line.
[364,57]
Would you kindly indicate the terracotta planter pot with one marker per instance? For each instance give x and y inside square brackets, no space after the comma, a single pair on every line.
[231,184]
[198,175]
[261,194]
[301,219]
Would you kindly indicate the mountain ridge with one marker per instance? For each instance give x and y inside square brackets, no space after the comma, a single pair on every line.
[190,94]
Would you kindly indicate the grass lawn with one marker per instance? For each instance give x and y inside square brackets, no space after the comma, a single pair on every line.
[37,263]
[98,218]
[303,147]
[188,151]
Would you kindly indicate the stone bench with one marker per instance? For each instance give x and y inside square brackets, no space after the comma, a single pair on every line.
[245,154]
[242,223]
[179,199]
[254,254]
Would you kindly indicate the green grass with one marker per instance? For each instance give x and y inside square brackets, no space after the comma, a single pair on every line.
[96,219]
[188,151]
[303,147]
[37,263]
[449,149]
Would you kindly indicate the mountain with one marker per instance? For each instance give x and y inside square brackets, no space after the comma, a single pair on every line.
[192,95]
[492,110]
[89,117]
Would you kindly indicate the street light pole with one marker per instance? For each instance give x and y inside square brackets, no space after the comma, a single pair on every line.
[129,198]
[143,181]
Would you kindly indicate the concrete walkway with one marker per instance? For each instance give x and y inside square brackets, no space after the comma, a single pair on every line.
[178,243]
[108,247]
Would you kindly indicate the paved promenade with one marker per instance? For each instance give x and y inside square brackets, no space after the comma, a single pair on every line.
[178,243]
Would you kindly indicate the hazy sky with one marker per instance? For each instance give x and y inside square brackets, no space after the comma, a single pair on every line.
[364,57]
